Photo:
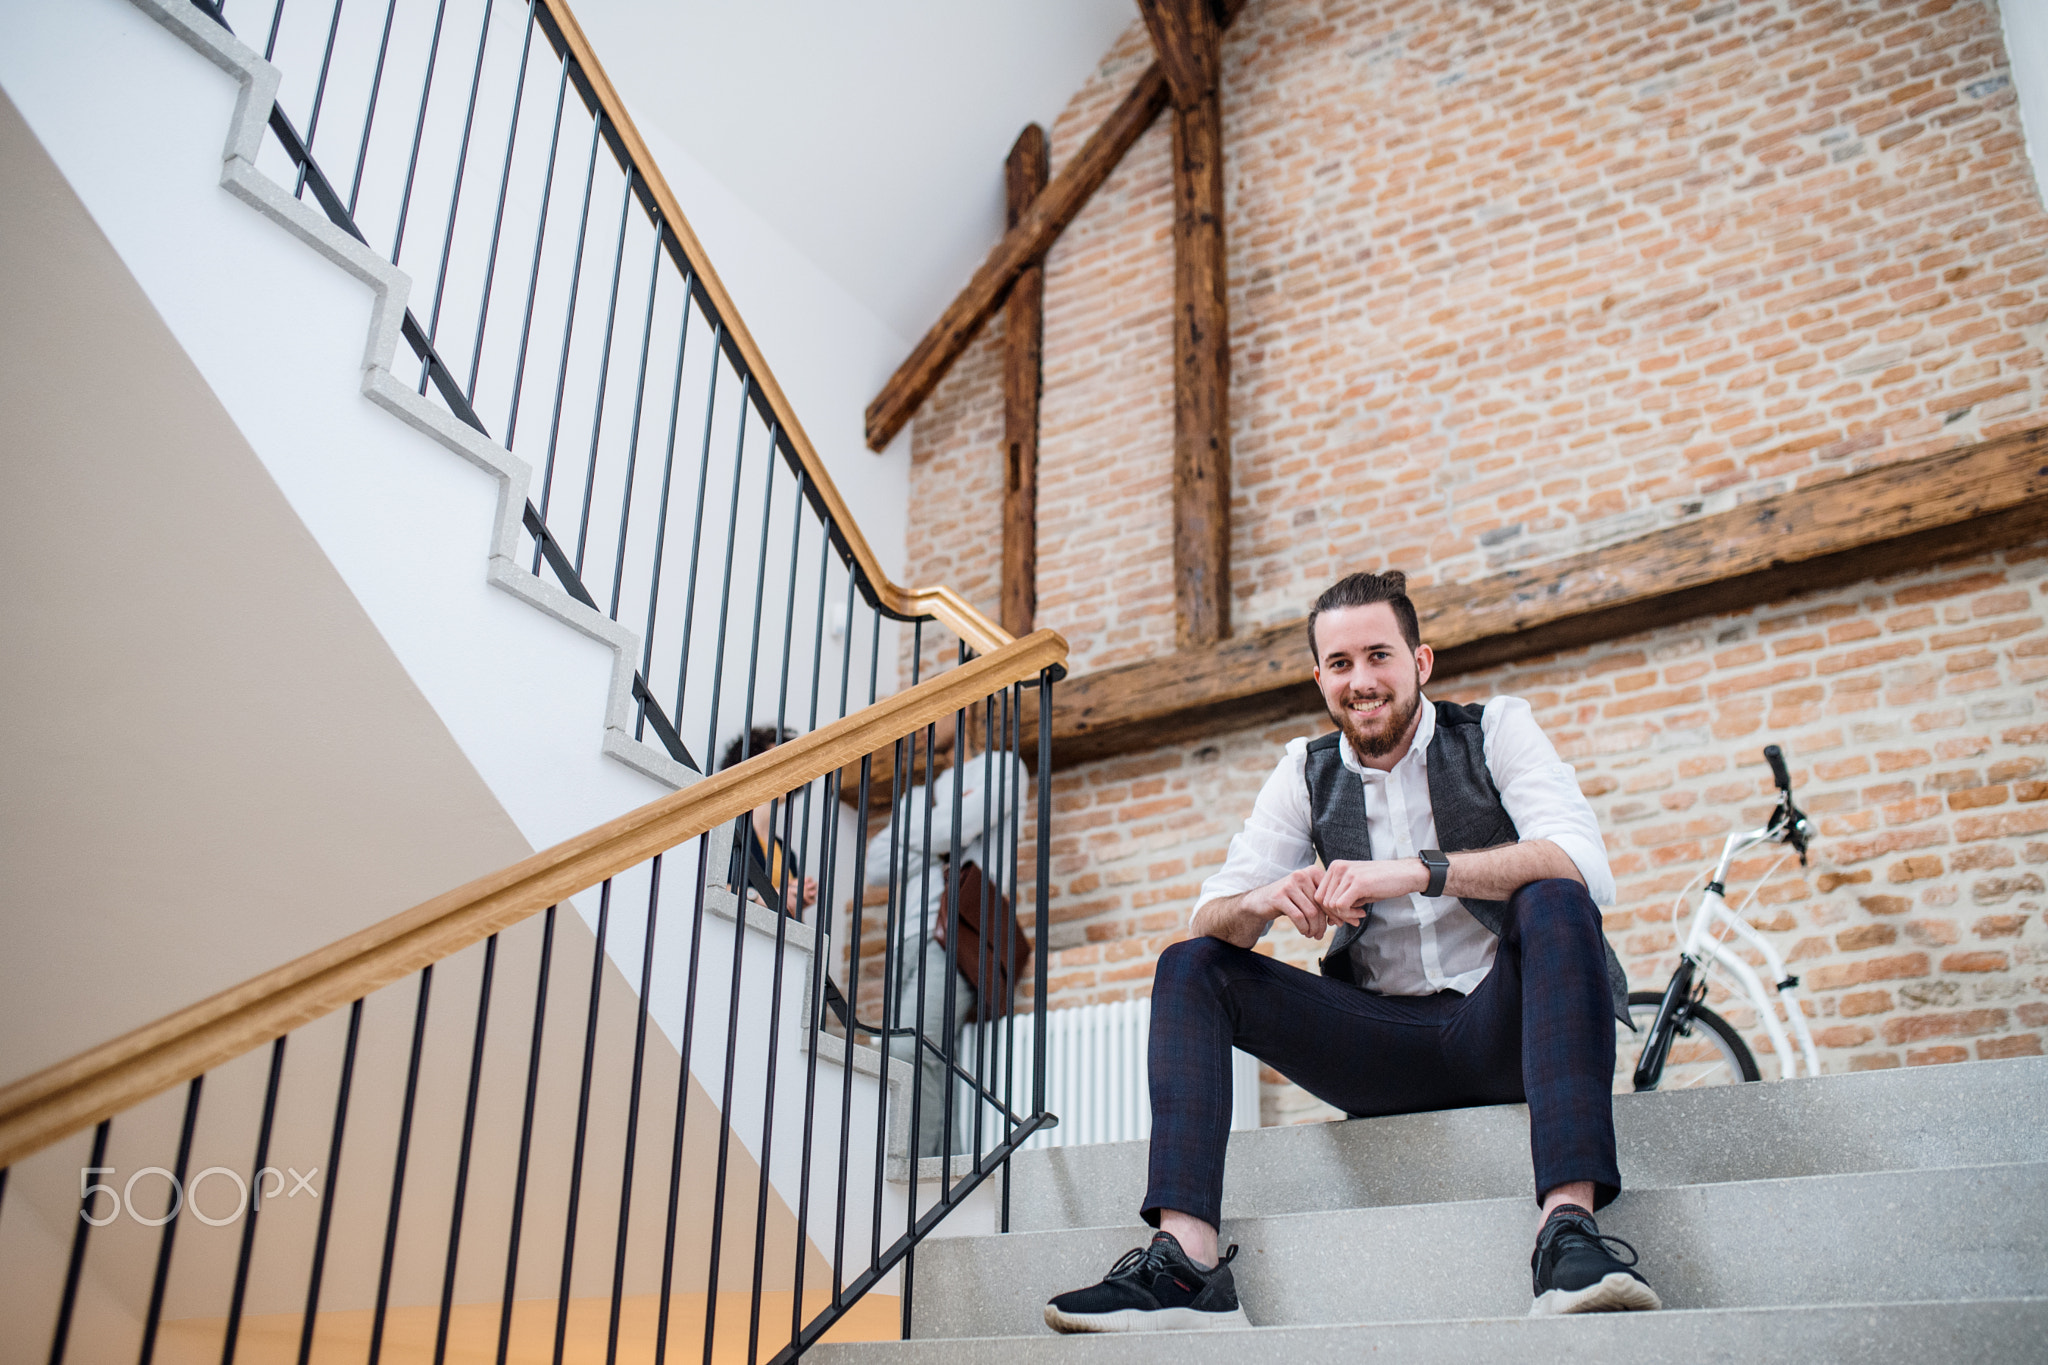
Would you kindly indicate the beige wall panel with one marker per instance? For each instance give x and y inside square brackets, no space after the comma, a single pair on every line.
[210,760]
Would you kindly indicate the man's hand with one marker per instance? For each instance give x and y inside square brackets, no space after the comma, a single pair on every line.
[1240,919]
[1345,890]
[1294,896]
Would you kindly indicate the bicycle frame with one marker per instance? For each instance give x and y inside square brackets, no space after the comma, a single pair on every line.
[1701,945]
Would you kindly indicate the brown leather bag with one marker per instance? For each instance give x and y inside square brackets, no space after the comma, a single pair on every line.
[987,924]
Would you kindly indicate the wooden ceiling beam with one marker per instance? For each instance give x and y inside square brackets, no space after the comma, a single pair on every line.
[1066,194]
[1185,34]
[1188,39]
[1025,174]
[1886,520]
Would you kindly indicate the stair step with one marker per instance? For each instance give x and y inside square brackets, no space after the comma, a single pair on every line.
[1985,1332]
[1980,1114]
[1962,1232]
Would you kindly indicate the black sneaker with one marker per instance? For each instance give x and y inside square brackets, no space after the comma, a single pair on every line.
[1153,1288]
[1575,1273]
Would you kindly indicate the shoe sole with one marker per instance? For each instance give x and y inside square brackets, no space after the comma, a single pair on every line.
[1145,1320]
[1618,1292]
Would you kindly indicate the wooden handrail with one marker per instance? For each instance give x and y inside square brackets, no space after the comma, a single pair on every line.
[951,610]
[103,1081]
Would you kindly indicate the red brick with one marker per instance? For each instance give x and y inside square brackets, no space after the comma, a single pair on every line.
[2018,1045]
[1913,1028]
[1897,967]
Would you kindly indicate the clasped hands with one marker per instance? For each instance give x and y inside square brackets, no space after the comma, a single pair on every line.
[1315,898]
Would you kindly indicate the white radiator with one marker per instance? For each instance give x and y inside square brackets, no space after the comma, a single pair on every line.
[1094,1074]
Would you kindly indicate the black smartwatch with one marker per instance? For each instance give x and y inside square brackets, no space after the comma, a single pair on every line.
[1439,864]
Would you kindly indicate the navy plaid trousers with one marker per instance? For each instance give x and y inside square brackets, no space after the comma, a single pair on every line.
[1540,1027]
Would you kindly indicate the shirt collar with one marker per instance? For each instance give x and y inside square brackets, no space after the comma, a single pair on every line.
[1417,751]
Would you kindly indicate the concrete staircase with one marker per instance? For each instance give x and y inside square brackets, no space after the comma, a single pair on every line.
[1886,1216]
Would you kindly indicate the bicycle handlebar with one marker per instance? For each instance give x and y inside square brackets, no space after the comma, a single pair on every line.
[1790,819]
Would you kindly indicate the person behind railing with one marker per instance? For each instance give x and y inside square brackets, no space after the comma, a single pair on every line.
[770,875]
[985,788]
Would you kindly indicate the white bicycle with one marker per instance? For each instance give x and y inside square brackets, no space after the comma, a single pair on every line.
[1687,1044]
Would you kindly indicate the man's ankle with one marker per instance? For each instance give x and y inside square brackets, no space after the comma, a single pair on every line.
[1196,1238]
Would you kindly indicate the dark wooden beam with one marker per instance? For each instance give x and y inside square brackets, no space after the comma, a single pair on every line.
[1024,177]
[1022,246]
[1188,39]
[1185,34]
[1065,196]
[1885,520]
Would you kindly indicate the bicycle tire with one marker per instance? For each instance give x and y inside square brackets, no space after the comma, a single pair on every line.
[1706,1051]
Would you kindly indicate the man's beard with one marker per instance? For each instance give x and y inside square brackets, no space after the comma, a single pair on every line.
[1389,731]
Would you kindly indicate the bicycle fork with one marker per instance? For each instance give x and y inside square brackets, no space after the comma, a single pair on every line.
[1700,943]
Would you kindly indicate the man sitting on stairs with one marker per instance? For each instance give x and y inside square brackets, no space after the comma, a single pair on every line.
[1461,869]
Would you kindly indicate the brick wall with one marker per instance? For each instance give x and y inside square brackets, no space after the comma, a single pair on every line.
[1509,281]
[1915,718]
[1512,281]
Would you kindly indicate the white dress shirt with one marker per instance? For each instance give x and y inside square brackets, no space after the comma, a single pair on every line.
[1418,945]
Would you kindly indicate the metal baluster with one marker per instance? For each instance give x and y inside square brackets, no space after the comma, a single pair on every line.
[476,1073]
[227,1354]
[697,538]
[483,312]
[61,1338]
[732,1034]
[547,484]
[540,1015]
[1044,873]
[924,926]
[820,942]
[788,882]
[540,238]
[597,961]
[1013,699]
[675,1161]
[604,369]
[319,94]
[348,1071]
[476,76]
[668,465]
[950,1048]
[724,595]
[768,1099]
[418,131]
[611,1350]
[992,776]
[639,403]
[854,935]
[270,44]
[742,834]
[813,1025]
[355,186]
[161,1281]
[412,1084]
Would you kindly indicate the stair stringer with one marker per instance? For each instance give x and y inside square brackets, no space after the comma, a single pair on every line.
[391,290]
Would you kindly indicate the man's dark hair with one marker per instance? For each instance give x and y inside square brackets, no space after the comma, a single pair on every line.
[1362,590]
[756,741]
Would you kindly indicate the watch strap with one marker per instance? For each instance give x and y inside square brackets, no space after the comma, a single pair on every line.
[1439,865]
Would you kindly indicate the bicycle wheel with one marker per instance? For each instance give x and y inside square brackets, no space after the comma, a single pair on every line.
[1706,1049]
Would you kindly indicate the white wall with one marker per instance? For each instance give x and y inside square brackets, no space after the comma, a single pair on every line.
[135,119]
[2026,43]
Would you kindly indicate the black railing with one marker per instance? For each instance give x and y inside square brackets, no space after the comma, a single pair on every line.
[648,1116]
[557,311]
[696,1094]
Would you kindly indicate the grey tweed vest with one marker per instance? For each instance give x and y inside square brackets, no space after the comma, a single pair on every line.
[1468,813]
